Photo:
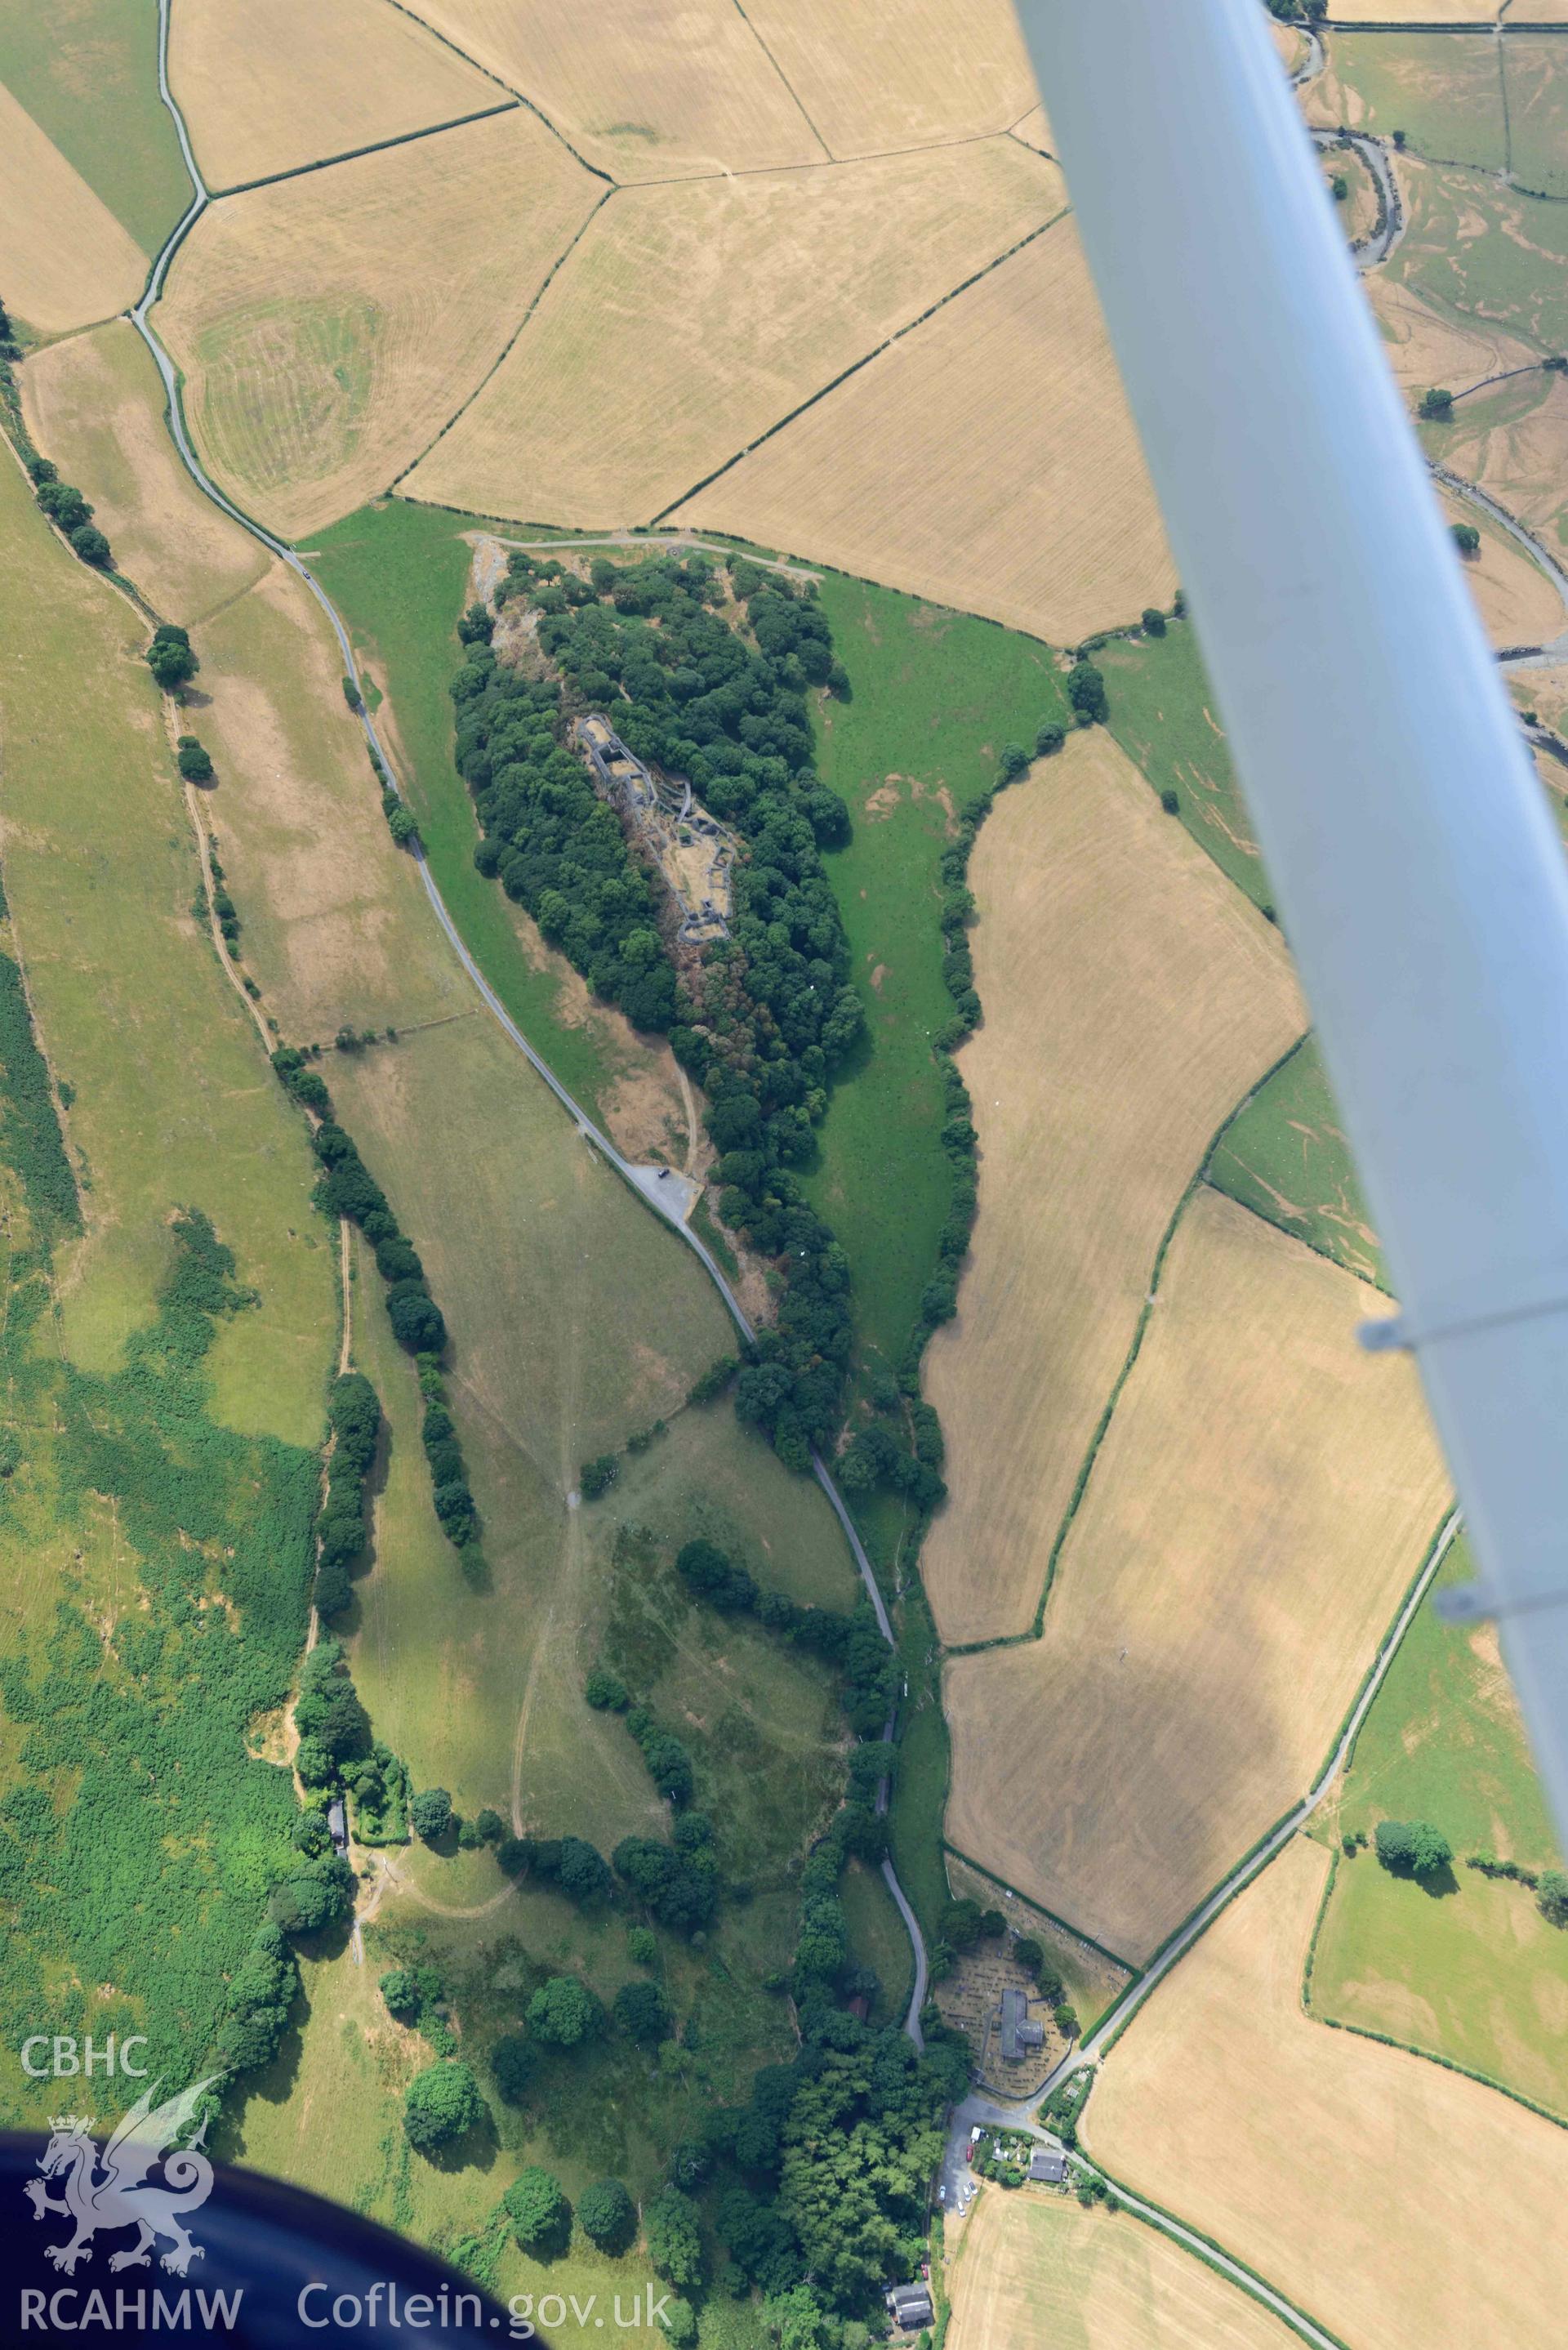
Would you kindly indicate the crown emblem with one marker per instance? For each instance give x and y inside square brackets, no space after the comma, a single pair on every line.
[72,2124]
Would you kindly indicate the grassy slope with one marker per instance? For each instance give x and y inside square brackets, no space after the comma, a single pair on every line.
[398,573]
[936,697]
[1444,90]
[131,1498]
[87,71]
[1513,280]
[168,1075]
[332,2117]
[1285,1157]
[1162,714]
[877,1939]
[1474,1972]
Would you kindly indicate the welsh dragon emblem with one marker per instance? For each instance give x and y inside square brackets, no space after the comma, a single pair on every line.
[105,2189]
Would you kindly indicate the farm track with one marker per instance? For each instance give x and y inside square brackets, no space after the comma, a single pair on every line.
[640,1180]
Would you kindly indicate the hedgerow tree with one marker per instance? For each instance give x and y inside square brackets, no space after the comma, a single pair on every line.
[537,2208]
[1437,405]
[1465,537]
[1086,692]
[170,659]
[1412,1848]
[442,2104]
[89,542]
[1551,1896]
[194,761]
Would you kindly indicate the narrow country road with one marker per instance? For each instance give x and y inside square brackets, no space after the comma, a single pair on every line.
[642,1181]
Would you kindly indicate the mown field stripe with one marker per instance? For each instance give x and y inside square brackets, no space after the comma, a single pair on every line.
[375,147]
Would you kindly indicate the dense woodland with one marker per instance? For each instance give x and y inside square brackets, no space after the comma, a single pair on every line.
[714,691]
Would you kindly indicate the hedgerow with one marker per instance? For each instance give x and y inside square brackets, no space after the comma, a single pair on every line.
[852,1643]
[764,1018]
[346,1188]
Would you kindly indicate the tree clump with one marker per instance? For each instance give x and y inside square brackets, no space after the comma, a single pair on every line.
[170,659]
[1413,1848]
[442,2104]
[537,2206]
[769,1014]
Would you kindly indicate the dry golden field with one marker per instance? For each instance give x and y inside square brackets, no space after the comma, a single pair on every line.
[64,260]
[646,89]
[328,325]
[94,404]
[898,73]
[1516,599]
[1538,12]
[1515,443]
[1035,132]
[335,925]
[1131,997]
[1399,2204]
[284,82]
[1424,346]
[986,461]
[1261,1501]
[1034,2268]
[690,319]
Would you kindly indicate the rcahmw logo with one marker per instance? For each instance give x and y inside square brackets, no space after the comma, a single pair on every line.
[102,2192]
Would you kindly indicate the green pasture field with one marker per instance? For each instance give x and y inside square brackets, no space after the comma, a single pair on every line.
[399,574]
[1162,714]
[330,2114]
[576,1321]
[1443,90]
[937,696]
[1536,66]
[86,72]
[171,1101]
[1285,1155]
[1513,271]
[878,1939]
[924,1772]
[1470,1971]
[159,1412]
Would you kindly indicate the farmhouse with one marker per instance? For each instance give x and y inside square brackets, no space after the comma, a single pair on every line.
[1048,2167]
[1020,2031]
[911,2306]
